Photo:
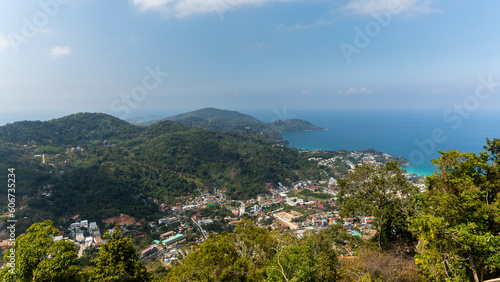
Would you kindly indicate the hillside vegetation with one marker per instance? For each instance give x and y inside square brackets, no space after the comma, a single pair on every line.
[235,122]
[99,166]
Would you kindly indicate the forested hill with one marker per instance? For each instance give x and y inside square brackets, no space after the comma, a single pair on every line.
[236,122]
[99,166]
[294,125]
[76,129]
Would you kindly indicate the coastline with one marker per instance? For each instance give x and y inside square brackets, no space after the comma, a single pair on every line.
[418,171]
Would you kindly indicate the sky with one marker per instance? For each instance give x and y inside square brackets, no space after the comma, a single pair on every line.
[154,58]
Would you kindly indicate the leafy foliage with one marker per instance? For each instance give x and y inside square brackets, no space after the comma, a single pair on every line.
[238,256]
[459,224]
[39,258]
[253,253]
[117,261]
[381,192]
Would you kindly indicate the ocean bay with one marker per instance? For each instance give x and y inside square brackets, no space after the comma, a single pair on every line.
[416,136]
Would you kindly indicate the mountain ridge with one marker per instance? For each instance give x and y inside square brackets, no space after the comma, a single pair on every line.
[221,120]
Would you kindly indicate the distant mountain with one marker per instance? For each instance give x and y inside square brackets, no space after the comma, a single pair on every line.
[235,122]
[294,125]
[217,115]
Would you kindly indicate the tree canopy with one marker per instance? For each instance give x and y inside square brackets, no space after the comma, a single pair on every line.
[254,253]
[39,258]
[381,192]
[117,260]
[458,225]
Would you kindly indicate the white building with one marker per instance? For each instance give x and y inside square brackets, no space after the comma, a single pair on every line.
[293,201]
[84,223]
[79,237]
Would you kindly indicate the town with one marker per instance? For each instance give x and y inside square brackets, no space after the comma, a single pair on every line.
[302,206]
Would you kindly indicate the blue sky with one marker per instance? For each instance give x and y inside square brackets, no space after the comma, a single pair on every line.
[162,57]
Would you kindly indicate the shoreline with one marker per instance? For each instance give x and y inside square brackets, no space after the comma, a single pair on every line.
[407,167]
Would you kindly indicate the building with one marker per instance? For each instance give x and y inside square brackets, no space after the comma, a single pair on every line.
[95,232]
[84,223]
[148,251]
[285,219]
[167,221]
[98,240]
[205,221]
[172,240]
[167,234]
[242,208]
[89,240]
[79,237]
[293,201]
[93,226]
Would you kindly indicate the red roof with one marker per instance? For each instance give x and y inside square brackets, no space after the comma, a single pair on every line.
[148,248]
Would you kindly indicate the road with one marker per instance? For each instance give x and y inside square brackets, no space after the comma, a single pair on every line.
[199,228]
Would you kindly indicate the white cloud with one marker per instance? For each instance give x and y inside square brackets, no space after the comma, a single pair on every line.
[357,91]
[184,8]
[4,42]
[306,92]
[58,51]
[396,6]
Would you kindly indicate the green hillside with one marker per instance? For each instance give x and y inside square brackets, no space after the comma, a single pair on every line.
[294,125]
[99,166]
[236,122]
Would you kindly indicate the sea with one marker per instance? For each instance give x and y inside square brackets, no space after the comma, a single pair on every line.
[418,136]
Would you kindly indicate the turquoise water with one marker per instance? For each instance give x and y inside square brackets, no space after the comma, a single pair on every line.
[416,136]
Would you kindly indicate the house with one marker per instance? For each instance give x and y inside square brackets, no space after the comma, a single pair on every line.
[89,240]
[84,223]
[93,226]
[98,240]
[95,232]
[79,237]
